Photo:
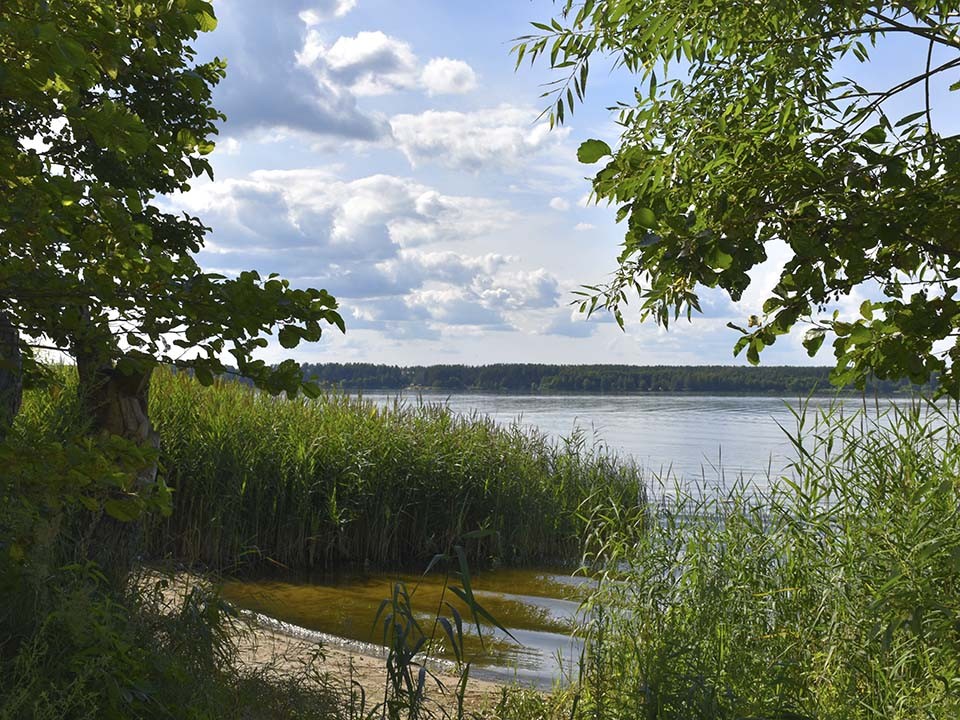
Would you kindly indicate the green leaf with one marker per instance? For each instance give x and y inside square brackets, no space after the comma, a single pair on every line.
[206,21]
[813,339]
[289,336]
[720,260]
[590,151]
[645,217]
[124,510]
[906,120]
[203,374]
[875,135]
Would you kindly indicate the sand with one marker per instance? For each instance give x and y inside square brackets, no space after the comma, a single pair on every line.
[267,645]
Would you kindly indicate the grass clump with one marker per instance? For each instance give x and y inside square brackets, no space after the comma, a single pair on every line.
[317,484]
[834,594]
[95,651]
[80,640]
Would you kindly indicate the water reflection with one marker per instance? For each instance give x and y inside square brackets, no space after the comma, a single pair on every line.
[538,608]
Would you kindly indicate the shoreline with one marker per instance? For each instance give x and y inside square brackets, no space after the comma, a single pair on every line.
[265,644]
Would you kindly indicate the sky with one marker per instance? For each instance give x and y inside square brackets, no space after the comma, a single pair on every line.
[389,152]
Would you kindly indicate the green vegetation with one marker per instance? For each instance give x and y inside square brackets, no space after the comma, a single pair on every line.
[92,265]
[834,595]
[98,654]
[85,640]
[254,479]
[751,127]
[525,378]
[337,481]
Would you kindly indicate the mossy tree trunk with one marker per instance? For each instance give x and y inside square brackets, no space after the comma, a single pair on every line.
[116,403]
[11,374]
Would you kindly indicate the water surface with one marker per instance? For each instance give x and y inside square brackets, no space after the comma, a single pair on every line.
[537,607]
[710,438]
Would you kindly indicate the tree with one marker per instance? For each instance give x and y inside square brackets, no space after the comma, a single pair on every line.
[743,131]
[102,109]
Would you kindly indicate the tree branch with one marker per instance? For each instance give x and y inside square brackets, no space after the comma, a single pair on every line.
[920,32]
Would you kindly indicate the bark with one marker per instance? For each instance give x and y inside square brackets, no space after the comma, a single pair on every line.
[11,374]
[116,403]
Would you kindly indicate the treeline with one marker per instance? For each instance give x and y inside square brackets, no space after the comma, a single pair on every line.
[533,378]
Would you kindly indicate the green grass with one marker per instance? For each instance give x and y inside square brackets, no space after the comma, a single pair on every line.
[91,651]
[317,484]
[340,481]
[835,594]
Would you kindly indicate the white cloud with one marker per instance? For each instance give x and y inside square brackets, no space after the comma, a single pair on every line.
[560,204]
[414,267]
[446,76]
[453,305]
[373,63]
[370,63]
[326,10]
[363,238]
[764,277]
[286,79]
[265,90]
[518,290]
[372,217]
[504,136]
[584,227]
[368,242]
[228,146]
[570,324]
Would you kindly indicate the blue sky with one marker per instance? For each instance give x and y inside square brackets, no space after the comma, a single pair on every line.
[388,152]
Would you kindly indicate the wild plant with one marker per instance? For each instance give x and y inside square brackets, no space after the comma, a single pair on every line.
[411,649]
[340,480]
[832,593]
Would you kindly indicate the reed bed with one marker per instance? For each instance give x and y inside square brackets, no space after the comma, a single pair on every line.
[319,484]
[835,593]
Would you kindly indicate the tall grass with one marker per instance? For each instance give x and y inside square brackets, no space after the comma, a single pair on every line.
[318,483]
[834,594]
[339,480]
[77,641]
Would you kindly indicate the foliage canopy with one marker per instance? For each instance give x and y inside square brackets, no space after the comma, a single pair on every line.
[743,131]
[102,109]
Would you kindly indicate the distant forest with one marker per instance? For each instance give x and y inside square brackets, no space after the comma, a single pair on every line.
[530,378]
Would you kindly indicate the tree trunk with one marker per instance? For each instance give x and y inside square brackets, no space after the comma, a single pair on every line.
[11,374]
[116,403]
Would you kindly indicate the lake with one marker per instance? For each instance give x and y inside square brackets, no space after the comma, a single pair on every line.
[706,438]
[538,607]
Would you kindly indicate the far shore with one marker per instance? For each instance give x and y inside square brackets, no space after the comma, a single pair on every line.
[412,389]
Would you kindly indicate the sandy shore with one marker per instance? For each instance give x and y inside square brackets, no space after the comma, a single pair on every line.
[266,644]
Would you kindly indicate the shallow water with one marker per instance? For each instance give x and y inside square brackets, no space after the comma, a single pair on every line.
[537,607]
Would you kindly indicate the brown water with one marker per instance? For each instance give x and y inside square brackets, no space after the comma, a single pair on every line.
[537,607]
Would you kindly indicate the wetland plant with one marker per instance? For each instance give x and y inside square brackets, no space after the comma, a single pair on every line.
[832,593]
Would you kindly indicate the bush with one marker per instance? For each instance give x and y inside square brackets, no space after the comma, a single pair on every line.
[78,640]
